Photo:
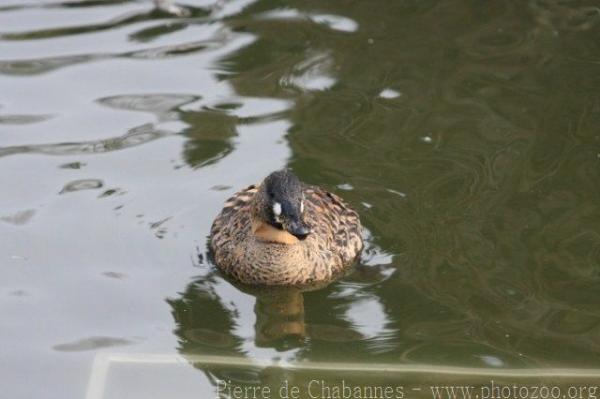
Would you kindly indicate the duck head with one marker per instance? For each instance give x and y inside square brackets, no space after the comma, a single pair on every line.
[278,208]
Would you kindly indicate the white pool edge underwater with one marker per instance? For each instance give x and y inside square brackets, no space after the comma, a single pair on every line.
[102,363]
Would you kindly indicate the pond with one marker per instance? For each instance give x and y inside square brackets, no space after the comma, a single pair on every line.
[465,133]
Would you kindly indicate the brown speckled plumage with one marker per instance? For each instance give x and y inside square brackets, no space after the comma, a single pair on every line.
[331,247]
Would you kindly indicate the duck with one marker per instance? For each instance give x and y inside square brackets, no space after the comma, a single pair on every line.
[285,232]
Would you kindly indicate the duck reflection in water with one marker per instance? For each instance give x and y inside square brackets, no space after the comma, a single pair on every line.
[209,323]
[279,315]
[214,315]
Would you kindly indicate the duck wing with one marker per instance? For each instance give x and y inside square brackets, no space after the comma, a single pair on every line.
[236,211]
[334,219]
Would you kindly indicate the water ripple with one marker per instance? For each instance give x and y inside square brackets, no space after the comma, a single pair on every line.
[133,18]
[134,137]
[20,218]
[44,65]
[159,103]
[92,343]
[313,73]
[23,119]
[80,185]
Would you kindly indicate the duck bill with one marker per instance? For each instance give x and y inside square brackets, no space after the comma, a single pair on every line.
[298,229]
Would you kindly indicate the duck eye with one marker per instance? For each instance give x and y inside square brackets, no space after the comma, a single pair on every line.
[277,208]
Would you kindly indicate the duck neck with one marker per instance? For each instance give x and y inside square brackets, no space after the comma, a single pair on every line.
[267,233]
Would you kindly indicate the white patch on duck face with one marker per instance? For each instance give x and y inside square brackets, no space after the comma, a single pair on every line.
[301,206]
[277,209]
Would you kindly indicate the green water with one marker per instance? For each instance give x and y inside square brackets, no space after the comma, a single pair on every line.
[466,134]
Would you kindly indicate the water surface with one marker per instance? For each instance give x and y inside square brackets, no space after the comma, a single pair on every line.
[465,133]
